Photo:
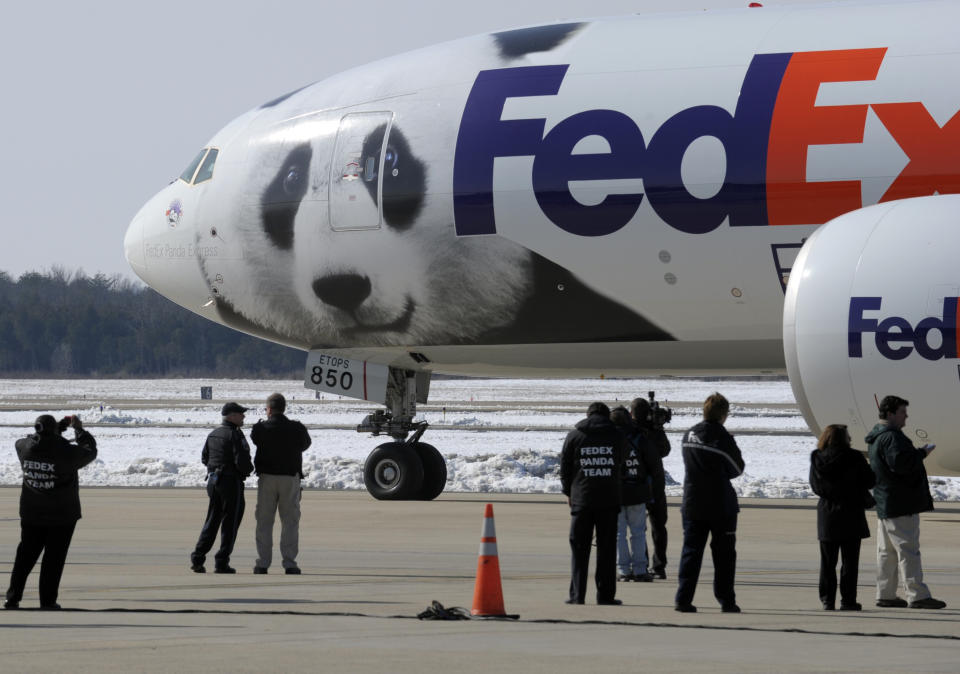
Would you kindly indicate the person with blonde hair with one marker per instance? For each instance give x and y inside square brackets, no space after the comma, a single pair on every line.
[842,479]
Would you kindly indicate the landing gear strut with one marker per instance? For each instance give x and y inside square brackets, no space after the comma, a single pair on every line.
[405,469]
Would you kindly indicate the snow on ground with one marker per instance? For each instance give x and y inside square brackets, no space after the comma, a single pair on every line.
[497,435]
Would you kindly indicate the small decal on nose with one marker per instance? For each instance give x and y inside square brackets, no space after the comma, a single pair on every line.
[174,212]
[351,172]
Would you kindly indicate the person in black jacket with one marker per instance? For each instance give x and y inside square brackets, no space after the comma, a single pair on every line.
[657,506]
[49,504]
[634,494]
[280,444]
[841,477]
[711,459]
[590,468]
[226,455]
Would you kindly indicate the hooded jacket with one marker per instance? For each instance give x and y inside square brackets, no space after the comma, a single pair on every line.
[711,459]
[902,487]
[841,477]
[591,463]
[50,495]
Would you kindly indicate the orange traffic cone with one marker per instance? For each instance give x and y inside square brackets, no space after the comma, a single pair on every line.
[487,593]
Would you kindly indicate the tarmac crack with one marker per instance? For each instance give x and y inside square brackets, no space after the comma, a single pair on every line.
[534,621]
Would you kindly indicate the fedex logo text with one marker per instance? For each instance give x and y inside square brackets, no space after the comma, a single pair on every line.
[896,338]
[765,141]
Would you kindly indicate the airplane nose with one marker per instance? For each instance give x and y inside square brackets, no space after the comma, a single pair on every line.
[133,246]
[160,247]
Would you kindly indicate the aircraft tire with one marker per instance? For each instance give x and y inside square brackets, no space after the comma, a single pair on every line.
[434,471]
[393,472]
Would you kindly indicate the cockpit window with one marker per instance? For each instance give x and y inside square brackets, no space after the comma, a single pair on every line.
[188,172]
[206,169]
[205,160]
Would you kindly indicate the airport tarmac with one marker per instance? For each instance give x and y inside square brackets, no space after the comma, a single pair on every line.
[369,567]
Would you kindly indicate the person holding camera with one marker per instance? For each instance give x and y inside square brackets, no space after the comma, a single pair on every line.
[649,422]
[711,459]
[226,455]
[902,492]
[49,504]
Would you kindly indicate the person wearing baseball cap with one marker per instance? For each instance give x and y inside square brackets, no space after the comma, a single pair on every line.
[226,455]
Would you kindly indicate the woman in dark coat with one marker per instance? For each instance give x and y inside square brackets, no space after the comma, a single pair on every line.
[842,478]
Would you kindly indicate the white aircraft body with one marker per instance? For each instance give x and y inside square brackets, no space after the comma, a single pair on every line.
[601,197]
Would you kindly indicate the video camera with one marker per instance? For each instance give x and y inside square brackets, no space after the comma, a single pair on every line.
[658,415]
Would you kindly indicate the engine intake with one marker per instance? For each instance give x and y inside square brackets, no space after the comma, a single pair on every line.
[871,310]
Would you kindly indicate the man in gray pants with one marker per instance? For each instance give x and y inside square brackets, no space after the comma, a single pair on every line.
[280,444]
[902,492]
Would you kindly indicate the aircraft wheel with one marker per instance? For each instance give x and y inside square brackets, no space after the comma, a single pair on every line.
[434,471]
[393,472]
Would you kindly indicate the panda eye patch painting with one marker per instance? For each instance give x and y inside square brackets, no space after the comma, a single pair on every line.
[281,198]
[403,178]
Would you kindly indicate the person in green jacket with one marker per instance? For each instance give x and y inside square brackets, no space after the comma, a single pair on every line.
[902,493]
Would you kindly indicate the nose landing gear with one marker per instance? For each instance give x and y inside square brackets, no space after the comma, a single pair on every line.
[405,469]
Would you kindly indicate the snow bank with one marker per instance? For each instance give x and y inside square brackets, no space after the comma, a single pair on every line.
[155,440]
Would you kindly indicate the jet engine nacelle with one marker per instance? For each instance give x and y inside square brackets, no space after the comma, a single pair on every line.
[871,310]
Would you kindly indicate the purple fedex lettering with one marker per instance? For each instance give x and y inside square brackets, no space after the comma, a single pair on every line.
[744,135]
[555,165]
[894,330]
[484,136]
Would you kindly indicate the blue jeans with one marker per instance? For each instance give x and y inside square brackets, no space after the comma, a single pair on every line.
[632,557]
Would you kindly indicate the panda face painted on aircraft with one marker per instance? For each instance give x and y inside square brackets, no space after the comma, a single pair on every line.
[348,236]
[408,279]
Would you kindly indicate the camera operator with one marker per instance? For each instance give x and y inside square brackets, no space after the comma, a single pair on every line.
[49,504]
[650,421]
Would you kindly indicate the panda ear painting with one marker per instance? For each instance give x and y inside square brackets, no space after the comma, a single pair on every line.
[516,43]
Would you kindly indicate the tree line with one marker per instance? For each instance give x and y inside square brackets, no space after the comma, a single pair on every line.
[62,323]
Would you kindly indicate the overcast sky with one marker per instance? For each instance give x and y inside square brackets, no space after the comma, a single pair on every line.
[105,102]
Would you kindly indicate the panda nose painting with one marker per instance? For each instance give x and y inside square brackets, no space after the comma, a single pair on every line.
[343,291]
